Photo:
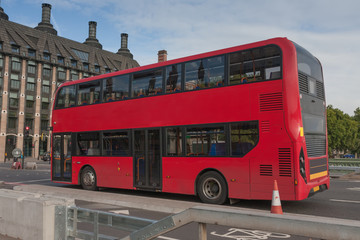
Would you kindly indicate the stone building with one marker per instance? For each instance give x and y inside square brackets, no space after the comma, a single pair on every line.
[33,63]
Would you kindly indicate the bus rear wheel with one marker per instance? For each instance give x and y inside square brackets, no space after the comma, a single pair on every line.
[212,188]
[88,179]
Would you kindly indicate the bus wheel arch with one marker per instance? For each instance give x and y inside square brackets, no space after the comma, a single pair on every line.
[88,179]
[211,187]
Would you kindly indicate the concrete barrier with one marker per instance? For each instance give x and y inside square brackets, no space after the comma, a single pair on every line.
[31,165]
[29,215]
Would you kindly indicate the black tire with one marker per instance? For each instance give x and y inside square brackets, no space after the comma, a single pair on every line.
[88,179]
[212,188]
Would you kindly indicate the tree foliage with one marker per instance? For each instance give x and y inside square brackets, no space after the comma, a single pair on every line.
[343,130]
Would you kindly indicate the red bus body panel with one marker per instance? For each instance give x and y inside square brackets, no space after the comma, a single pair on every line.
[279,132]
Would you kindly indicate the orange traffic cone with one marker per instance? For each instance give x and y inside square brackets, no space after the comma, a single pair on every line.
[275,203]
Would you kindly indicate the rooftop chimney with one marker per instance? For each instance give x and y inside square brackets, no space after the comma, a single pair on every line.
[124,51]
[162,56]
[45,24]
[92,40]
[3,15]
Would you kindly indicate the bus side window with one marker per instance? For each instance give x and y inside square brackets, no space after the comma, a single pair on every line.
[205,73]
[89,93]
[147,84]
[88,144]
[66,97]
[174,141]
[255,65]
[173,78]
[116,144]
[116,88]
[244,137]
[206,141]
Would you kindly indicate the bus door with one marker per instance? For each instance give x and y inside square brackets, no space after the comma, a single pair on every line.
[147,159]
[61,157]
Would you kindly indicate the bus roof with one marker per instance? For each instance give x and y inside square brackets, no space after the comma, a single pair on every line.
[182,59]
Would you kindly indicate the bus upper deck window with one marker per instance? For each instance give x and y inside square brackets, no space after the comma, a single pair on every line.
[66,97]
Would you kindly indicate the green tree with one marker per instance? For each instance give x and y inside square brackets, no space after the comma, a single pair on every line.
[357,115]
[343,130]
[335,129]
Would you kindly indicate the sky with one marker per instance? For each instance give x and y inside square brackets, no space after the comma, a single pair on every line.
[329,29]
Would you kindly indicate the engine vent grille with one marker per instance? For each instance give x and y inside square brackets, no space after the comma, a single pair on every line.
[315,145]
[285,168]
[271,102]
[303,83]
[320,90]
[266,170]
[265,126]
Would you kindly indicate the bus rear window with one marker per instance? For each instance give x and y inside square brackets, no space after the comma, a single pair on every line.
[66,97]
[308,64]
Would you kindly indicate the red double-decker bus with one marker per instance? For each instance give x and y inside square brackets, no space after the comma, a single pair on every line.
[220,125]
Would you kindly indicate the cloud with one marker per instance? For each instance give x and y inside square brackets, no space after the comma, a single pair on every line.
[327,28]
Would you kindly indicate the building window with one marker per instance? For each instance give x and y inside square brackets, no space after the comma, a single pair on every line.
[15,49]
[31,69]
[47,71]
[44,125]
[30,84]
[14,81]
[116,144]
[12,122]
[116,88]
[74,75]
[14,100]
[73,63]
[86,75]
[61,74]
[45,103]
[83,56]
[61,60]
[107,70]
[97,68]
[88,144]
[1,61]
[30,102]
[46,56]
[31,53]
[86,66]
[15,64]
[46,86]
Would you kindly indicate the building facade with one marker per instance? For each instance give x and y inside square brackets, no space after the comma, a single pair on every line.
[34,62]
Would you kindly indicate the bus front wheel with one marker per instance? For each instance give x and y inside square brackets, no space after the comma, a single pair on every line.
[88,179]
[212,188]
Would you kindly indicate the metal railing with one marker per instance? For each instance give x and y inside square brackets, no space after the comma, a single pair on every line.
[67,220]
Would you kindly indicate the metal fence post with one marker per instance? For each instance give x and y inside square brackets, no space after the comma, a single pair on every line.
[96,225]
[202,231]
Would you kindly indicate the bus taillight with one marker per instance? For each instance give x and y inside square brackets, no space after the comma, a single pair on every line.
[302,165]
